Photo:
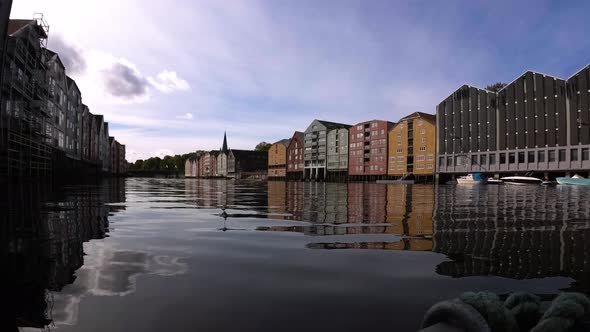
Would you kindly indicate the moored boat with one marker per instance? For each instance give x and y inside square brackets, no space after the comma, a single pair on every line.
[521,180]
[494,181]
[575,180]
[473,178]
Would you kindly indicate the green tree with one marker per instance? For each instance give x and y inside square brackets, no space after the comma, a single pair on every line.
[496,87]
[262,146]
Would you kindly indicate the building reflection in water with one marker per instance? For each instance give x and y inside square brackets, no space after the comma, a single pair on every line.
[515,232]
[42,231]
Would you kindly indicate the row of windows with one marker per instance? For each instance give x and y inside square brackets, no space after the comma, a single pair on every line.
[521,157]
[369,168]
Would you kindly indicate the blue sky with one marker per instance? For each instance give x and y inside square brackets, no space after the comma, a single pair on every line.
[172,76]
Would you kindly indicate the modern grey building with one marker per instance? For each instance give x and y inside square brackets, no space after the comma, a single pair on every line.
[316,148]
[537,123]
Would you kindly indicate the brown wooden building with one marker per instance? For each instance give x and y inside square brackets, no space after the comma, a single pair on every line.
[412,146]
[277,159]
[368,143]
[295,157]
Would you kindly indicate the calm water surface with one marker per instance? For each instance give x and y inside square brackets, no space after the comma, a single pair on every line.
[216,255]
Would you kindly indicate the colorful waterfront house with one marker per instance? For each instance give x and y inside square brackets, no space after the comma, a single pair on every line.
[368,148]
[316,148]
[277,159]
[295,157]
[212,165]
[412,146]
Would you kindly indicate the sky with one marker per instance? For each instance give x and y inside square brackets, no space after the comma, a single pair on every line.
[172,76]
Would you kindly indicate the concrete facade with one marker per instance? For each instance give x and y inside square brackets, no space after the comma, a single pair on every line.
[368,148]
[537,123]
[316,148]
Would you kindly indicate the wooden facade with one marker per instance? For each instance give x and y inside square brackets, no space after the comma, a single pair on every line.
[295,157]
[277,159]
[369,148]
[412,146]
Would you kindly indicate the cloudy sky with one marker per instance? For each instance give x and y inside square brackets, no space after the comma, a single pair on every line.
[172,76]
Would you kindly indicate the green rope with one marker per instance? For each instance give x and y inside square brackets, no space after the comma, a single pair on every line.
[499,318]
[563,314]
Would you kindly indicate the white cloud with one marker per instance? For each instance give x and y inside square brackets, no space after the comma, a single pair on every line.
[187,116]
[167,81]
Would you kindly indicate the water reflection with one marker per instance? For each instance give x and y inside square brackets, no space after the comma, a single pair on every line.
[515,232]
[42,231]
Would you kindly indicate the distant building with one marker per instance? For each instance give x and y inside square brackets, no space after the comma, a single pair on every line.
[74,112]
[368,148]
[412,146]
[191,168]
[277,159]
[243,164]
[316,148]
[295,161]
[222,158]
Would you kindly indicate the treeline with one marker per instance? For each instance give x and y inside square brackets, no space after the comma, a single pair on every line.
[172,163]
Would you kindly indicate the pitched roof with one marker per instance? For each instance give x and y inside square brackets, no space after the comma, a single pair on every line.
[284,141]
[425,116]
[72,83]
[331,125]
[16,25]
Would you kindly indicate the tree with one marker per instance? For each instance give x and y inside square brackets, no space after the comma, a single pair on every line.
[496,87]
[262,146]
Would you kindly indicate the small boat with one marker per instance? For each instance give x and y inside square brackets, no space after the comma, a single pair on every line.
[548,183]
[494,181]
[521,180]
[576,179]
[473,178]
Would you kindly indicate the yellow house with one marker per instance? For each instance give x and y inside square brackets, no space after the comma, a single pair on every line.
[277,159]
[412,145]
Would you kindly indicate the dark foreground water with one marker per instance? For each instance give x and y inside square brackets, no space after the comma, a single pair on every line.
[215,255]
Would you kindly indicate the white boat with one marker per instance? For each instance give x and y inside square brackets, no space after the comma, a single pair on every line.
[521,180]
[494,181]
[473,178]
[576,180]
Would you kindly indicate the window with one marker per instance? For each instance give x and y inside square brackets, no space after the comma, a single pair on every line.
[585,154]
[502,158]
[399,142]
[511,157]
[541,156]
[492,159]
[422,148]
[423,140]
[483,159]
[531,157]
[574,155]
[551,156]
[392,167]
[430,157]
[561,154]
[420,122]
[521,157]
[441,161]
[400,168]
[420,158]
[400,159]
[400,150]
[429,166]
[449,161]
[474,159]
[392,159]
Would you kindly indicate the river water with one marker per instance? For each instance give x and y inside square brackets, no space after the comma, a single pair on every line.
[224,255]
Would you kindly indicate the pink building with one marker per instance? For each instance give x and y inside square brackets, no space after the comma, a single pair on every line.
[367,155]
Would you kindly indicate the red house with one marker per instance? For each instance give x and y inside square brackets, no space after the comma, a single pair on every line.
[295,157]
[367,153]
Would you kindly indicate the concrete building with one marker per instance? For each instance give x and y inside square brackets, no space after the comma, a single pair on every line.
[316,148]
[337,153]
[277,159]
[295,163]
[368,144]
[412,146]
[534,124]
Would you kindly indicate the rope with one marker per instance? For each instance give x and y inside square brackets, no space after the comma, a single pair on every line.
[526,309]
[564,313]
[498,317]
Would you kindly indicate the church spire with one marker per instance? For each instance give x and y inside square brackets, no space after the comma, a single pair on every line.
[224,147]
